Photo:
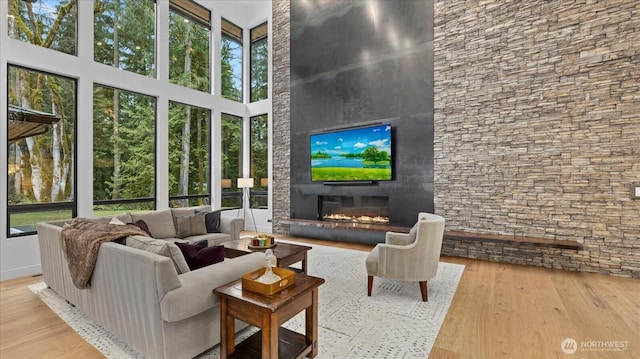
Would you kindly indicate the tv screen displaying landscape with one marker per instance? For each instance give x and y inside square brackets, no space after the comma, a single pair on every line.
[360,154]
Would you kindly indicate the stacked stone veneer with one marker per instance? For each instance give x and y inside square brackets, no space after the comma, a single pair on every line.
[537,128]
[281,114]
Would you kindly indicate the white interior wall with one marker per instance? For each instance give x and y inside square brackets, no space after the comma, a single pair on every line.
[20,256]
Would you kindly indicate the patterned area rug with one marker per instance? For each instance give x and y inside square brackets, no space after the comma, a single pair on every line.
[392,323]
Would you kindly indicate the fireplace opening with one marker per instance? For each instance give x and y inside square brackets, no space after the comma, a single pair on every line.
[355,209]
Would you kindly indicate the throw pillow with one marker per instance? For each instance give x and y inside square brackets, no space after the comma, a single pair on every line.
[117,221]
[142,225]
[163,248]
[198,257]
[160,223]
[212,221]
[190,225]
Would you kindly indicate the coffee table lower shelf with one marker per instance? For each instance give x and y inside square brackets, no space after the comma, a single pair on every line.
[291,345]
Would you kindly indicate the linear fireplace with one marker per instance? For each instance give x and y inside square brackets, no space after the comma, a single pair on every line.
[355,209]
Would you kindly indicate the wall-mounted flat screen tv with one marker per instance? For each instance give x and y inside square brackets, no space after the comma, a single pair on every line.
[358,154]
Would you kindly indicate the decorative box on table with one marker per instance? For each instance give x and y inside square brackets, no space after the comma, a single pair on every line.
[250,283]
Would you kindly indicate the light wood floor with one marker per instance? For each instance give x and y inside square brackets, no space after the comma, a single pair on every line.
[499,311]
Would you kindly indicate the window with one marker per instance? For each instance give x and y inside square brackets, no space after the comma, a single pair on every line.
[50,23]
[123,151]
[259,63]
[188,155]
[189,47]
[124,35]
[260,161]
[41,151]
[231,160]
[231,61]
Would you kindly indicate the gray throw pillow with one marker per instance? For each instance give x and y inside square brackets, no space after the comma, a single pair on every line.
[160,223]
[160,247]
[187,226]
[212,220]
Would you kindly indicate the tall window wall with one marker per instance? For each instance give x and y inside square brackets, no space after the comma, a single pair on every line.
[123,151]
[189,149]
[260,161]
[41,119]
[146,143]
[259,63]
[124,35]
[231,61]
[50,24]
[189,35]
[41,153]
[231,160]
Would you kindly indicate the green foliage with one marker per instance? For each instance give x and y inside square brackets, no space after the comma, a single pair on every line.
[124,144]
[259,149]
[188,53]
[36,24]
[320,155]
[231,69]
[259,70]
[349,174]
[372,154]
[198,168]
[124,34]
[231,148]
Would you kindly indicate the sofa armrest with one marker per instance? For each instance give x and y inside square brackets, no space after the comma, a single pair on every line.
[232,226]
[195,295]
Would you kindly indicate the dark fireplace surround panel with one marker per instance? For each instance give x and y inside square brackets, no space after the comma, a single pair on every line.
[333,86]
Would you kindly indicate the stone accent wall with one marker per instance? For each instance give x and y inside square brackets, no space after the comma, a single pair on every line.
[537,128]
[281,114]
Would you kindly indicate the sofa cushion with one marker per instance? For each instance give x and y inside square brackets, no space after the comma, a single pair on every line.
[163,248]
[190,225]
[212,221]
[160,223]
[200,256]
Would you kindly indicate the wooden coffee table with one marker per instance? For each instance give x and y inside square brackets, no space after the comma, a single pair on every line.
[269,313]
[286,253]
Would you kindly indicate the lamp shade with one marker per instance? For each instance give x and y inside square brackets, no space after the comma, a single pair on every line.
[225,183]
[245,182]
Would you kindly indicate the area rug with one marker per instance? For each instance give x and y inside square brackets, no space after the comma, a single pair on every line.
[392,323]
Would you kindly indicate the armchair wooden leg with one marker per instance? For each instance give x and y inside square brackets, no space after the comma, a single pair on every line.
[423,290]
[369,285]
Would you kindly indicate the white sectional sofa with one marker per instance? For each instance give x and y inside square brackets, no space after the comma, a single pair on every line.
[141,298]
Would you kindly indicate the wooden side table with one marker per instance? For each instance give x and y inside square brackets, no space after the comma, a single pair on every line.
[268,313]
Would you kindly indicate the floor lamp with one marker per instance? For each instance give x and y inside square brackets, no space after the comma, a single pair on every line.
[246,184]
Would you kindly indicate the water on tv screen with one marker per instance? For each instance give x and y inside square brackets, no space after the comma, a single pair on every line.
[360,154]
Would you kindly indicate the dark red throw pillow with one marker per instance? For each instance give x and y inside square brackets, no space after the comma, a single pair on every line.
[198,257]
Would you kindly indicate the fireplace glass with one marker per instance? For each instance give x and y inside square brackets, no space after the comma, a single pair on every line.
[356,209]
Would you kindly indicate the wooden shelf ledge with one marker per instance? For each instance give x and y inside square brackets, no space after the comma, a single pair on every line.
[512,240]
